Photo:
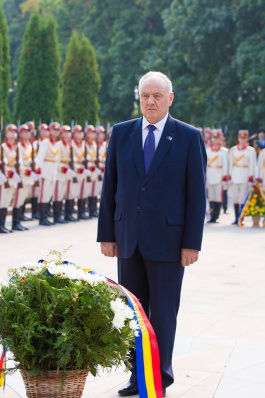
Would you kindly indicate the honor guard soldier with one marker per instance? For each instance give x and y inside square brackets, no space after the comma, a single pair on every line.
[28,176]
[13,164]
[35,187]
[78,145]
[101,157]
[8,178]
[43,132]
[64,179]
[3,206]
[47,166]
[207,136]
[261,169]
[217,174]
[242,166]
[91,165]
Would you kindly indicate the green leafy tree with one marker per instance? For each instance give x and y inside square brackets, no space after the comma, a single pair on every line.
[5,77]
[80,82]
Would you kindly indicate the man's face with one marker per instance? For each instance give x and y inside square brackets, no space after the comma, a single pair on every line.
[216,140]
[66,136]
[11,135]
[155,99]
[78,136]
[242,141]
[54,133]
[25,135]
[44,133]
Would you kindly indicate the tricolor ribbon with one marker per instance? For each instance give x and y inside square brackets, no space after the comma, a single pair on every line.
[146,348]
[2,368]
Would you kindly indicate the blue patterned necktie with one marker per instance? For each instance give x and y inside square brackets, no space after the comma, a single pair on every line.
[149,147]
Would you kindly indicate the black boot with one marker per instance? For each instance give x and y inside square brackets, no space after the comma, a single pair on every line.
[72,207]
[225,201]
[43,208]
[236,208]
[57,213]
[81,210]
[212,205]
[49,211]
[3,229]
[217,209]
[35,214]
[23,217]
[68,211]
[93,208]
[16,226]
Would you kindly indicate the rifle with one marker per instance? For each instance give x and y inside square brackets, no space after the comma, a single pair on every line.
[85,162]
[97,157]
[71,163]
[6,185]
[20,184]
[33,163]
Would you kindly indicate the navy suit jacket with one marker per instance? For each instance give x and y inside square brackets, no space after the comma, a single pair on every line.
[161,211]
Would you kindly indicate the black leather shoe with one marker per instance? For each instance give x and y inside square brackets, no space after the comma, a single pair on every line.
[128,390]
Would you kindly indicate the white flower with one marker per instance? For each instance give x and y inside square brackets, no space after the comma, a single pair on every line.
[3,283]
[118,322]
[133,324]
[117,305]
[129,313]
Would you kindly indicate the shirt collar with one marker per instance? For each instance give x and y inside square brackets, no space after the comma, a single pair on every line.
[159,125]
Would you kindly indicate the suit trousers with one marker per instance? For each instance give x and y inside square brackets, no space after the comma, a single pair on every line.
[157,285]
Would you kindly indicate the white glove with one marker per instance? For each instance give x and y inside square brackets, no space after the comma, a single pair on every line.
[16,177]
[34,176]
[3,178]
[70,174]
[13,182]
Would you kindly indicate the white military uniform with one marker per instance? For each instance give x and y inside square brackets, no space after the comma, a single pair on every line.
[242,167]
[261,168]
[78,189]
[65,174]
[27,175]
[47,161]
[10,160]
[217,172]
[94,172]
[102,153]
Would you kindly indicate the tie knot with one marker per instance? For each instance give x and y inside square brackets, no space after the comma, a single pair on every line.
[151,128]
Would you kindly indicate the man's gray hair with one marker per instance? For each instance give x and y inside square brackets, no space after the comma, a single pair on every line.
[156,74]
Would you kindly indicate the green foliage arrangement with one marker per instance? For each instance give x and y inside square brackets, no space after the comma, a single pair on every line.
[57,316]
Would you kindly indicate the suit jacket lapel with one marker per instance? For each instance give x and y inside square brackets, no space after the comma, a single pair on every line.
[137,148]
[165,143]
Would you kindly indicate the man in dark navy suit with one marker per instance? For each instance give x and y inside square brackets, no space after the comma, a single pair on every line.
[152,210]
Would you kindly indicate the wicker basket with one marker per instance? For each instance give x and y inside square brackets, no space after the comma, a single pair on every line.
[53,384]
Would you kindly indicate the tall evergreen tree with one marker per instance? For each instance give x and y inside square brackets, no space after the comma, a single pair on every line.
[37,94]
[49,73]
[80,82]
[28,93]
[5,77]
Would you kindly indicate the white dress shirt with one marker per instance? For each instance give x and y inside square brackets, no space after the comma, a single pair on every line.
[158,131]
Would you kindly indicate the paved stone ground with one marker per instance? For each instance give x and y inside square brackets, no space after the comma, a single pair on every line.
[220,341]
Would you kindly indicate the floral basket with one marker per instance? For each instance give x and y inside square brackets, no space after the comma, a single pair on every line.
[59,320]
[53,384]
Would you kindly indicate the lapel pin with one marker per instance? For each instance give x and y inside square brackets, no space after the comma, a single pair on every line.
[169,138]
